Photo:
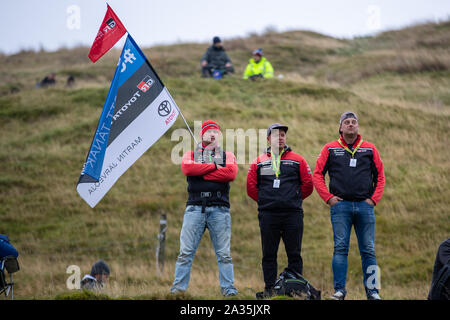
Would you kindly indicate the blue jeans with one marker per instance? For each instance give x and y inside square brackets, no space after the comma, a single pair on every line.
[344,215]
[218,221]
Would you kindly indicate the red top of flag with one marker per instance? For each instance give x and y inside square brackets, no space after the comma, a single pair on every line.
[111,30]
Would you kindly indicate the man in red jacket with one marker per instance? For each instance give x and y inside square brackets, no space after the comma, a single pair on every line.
[279,180]
[356,186]
[209,171]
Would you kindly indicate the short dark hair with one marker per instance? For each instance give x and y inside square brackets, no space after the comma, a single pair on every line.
[100,267]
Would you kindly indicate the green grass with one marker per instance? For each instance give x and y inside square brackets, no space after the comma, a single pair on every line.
[45,135]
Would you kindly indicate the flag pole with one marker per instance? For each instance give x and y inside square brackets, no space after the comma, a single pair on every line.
[167,91]
[179,111]
[195,140]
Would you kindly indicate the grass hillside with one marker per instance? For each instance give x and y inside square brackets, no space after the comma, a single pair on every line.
[398,82]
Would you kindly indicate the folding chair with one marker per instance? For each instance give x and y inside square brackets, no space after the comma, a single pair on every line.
[11,265]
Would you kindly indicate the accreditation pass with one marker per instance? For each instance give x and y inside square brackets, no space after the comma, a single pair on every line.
[276,183]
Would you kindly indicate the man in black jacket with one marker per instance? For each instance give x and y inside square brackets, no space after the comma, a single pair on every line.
[215,61]
[279,180]
[356,185]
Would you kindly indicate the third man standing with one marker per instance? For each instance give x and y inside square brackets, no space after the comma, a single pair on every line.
[356,186]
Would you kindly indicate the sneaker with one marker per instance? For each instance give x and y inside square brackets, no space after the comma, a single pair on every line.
[338,295]
[373,296]
[230,294]
[175,290]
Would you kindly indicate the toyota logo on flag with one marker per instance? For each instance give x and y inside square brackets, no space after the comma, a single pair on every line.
[164,108]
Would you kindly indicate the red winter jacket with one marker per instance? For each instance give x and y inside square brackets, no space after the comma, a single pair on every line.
[295,182]
[363,181]
[208,184]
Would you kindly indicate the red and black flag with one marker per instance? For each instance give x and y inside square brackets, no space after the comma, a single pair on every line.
[111,30]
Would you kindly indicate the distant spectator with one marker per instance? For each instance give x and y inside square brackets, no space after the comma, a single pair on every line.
[47,81]
[98,277]
[6,248]
[215,61]
[440,284]
[258,67]
[70,81]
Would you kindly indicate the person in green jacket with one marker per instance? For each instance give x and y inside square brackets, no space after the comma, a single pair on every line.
[258,67]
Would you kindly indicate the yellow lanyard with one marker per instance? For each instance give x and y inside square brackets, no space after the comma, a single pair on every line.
[276,167]
[346,148]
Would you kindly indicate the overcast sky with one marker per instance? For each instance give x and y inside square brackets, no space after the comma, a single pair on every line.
[51,24]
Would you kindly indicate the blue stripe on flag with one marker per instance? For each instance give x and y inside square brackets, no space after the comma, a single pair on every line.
[130,60]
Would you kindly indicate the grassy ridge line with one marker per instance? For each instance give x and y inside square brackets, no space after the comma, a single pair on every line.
[416,49]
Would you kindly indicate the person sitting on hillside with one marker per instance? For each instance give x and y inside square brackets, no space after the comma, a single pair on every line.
[98,277]
[70,81]
[48,81]
[6,248]
[215,61]
[7,256]
[258,67]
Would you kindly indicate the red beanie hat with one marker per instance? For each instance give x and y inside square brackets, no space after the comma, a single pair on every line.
[209,124]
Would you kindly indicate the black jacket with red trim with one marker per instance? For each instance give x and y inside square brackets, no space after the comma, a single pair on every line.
[295,182]
[204,177]
[363,181]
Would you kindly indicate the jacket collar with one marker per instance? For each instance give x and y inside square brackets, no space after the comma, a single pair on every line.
[88,276]
[202,154]
[286,149]
[217,49]
[358,139]
[262,60]
[202,148]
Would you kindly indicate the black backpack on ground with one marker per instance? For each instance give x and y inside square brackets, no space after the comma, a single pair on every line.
[292,283]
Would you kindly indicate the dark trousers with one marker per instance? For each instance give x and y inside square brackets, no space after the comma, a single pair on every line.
[275,226]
